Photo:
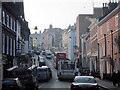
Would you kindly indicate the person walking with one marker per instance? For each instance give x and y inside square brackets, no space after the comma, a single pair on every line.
[118,77]
[114,78]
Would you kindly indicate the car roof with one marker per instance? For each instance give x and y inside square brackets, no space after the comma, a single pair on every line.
[84,77]
[42,67]
[10,79]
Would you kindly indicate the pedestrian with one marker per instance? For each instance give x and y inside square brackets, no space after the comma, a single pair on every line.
[77,71]
[114,78]
[118,77]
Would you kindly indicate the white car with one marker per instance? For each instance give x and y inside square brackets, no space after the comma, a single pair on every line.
[85,82]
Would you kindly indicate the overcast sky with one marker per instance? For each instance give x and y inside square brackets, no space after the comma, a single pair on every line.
[59,13]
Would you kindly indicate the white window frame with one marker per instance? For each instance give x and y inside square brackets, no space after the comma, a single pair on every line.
[0,15]
[3,46]
[116,20]
[115,45]
[7,20]
[7,45]
[100,51]
[101,30]
[11,46]
[104,49]
[4,17]
[11,23]
[108,47]
[14,48]
[14,25]
[108,24]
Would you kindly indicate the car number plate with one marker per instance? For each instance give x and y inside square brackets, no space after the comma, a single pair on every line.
[85,87]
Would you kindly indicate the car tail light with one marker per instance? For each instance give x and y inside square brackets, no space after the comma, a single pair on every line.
[75,86]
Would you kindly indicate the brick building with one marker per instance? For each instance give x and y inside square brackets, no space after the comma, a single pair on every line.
[13,33]
[108,39]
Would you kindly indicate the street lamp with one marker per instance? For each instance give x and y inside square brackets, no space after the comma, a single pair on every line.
[35,28]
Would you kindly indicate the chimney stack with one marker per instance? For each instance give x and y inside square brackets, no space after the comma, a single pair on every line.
[103,4]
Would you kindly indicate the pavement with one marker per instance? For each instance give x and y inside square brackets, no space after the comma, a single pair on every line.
[107,85]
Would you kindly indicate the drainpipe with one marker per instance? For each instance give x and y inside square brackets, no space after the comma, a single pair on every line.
[98,58]
[105,54]
[112,50]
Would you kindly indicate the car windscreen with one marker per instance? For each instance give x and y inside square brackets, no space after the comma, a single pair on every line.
[61,55]
[41,70]
[85,80]
[68,66]
[9,82]
[48,54]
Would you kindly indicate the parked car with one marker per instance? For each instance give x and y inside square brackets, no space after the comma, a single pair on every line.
[27,76]
[12,84]
[44,73]
[84,82]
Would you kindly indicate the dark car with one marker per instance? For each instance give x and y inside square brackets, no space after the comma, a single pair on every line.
[44,73]
[12,84]
[41,61]
[84,83]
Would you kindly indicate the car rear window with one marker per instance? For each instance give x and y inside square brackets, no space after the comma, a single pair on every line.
[9,82]
[85,80]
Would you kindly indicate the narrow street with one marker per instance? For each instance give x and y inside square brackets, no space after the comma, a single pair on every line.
[54,83]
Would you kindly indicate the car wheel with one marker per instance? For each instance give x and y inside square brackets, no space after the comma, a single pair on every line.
[36,88]
[60,79]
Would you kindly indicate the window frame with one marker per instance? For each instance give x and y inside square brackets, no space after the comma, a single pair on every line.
[3,43]
[7,45]
[11,23]
[8,21]
[0,15]
[108,47]
[116,20]
[11,46]
[115,45]
[3,17]
[108,26]
[104,49]
[101,30]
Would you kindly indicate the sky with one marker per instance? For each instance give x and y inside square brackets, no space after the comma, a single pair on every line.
[59,13]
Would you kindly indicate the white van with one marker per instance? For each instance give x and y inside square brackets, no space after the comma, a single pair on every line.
[48,54]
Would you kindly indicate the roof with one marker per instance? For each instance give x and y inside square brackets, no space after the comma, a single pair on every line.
[32,67]
[10,79]
[84,77]
[12,68]
[42,67]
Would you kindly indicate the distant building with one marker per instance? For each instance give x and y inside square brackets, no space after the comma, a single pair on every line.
[36,40]
[51,39]
[82,23]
